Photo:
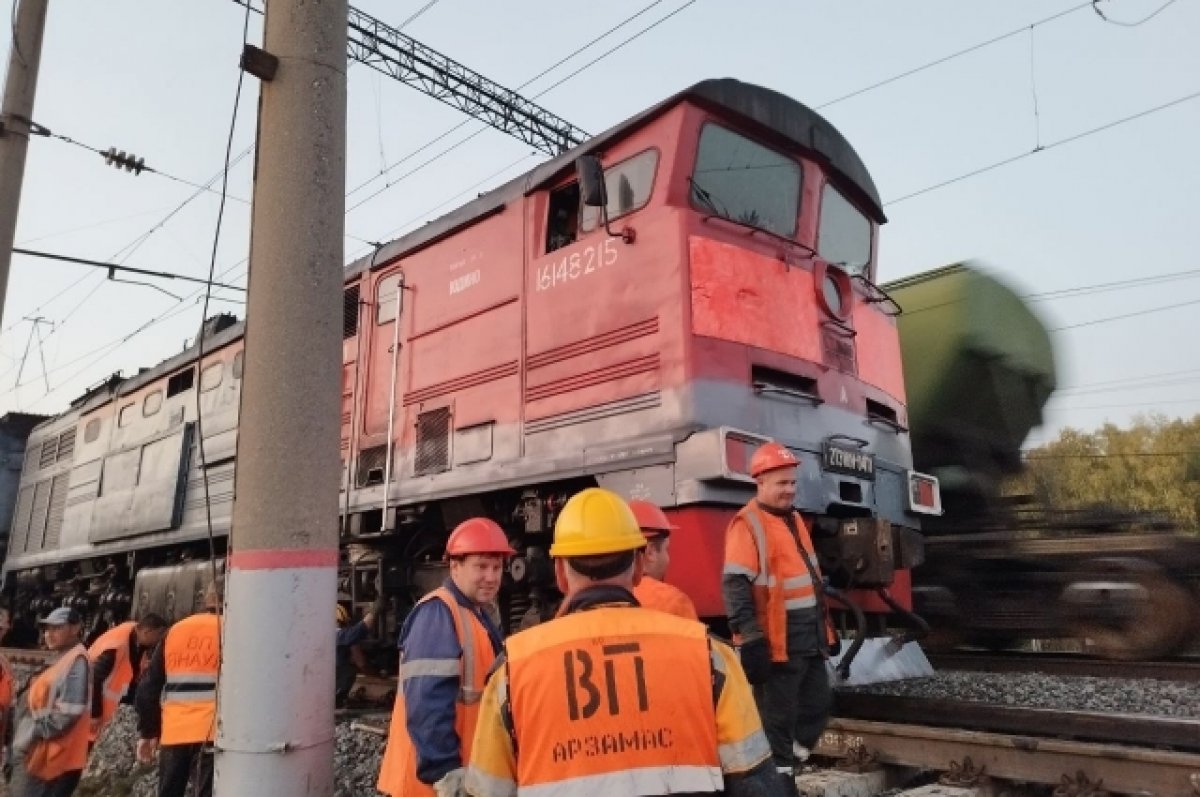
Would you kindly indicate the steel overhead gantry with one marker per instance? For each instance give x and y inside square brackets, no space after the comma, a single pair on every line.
[385,49]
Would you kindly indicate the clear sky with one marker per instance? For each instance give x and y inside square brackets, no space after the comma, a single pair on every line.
[158,79]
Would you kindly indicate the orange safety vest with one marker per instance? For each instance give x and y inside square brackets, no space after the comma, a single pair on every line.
[613,700]
[6,687]
[192,657]
[398,770]
[48,759]
[769,556]
[660,596]
[115,639]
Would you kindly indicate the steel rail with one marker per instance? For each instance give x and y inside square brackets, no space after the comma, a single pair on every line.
[1120,768]
[1177,733]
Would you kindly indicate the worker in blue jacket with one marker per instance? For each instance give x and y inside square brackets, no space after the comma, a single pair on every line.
[447,646]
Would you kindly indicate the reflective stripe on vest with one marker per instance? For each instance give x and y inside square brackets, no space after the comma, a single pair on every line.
[47,759]
[398,769]
[115,639]
[613,700]
[191,659]
[773,599]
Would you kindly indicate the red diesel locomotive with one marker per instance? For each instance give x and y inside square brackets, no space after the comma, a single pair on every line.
[639,313]
[645,337]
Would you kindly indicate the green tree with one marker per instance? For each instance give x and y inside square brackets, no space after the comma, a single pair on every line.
[1152,466]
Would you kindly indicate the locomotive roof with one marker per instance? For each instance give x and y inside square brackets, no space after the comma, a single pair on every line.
[778,113]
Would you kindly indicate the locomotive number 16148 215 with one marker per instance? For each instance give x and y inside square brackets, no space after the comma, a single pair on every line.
[580,263]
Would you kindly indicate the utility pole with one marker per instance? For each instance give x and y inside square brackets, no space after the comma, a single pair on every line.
[15,122]
[275,694]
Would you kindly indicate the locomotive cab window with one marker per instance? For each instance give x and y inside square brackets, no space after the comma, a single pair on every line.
[844,237]
[628,185]
[386,294]
[743,181]
[562,217]
[125,417]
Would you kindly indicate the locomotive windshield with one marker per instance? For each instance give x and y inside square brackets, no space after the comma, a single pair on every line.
[845,234]
[743,181]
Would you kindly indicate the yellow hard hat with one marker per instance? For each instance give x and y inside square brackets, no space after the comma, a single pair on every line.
[594,522]
[343,616]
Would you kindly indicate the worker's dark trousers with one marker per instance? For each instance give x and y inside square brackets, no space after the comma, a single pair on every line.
[25,785]
[794,704]
[179,762]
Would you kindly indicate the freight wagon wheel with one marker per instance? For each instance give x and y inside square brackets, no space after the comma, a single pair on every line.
[1155,624]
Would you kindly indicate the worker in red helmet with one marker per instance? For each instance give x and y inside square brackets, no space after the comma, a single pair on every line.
[652,591]
[772,588]
[447,645]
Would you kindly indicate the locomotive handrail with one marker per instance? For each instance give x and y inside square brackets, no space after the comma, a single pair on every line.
[879,295]
[763,387]
[895,426]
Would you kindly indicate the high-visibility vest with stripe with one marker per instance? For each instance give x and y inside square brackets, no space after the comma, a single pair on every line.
[47,759]
[760,546]
[192,657]
[613,700]
[398,769]
[115,639]
[660,596]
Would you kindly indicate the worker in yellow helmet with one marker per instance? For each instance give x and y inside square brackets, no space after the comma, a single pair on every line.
[612,698]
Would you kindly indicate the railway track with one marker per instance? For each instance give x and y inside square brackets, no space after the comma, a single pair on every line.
[1067,664]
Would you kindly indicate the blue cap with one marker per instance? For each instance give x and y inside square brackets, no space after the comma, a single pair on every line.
[61,616]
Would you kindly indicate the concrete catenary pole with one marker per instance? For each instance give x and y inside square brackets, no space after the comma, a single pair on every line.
[275,694]
[15,116]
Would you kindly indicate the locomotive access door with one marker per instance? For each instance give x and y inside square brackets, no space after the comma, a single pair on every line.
[141,489]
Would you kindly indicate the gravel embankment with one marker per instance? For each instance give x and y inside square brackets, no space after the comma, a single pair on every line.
[1035,690]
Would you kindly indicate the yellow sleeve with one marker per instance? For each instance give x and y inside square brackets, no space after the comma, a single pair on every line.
[492,770]
[741,554]
[741,743]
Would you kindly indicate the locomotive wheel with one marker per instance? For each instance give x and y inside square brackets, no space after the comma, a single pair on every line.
[1156,626]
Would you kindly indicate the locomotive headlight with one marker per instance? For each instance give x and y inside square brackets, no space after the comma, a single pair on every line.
[833,290]
[832,294]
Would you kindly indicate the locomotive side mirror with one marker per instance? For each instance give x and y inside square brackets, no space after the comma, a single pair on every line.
[590,173]
[594,194]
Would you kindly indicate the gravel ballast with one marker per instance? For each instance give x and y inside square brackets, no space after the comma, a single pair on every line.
[113,772]
[1036,690]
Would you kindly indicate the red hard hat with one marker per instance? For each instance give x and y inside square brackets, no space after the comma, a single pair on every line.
[651,520]
[770,456]
[478,535]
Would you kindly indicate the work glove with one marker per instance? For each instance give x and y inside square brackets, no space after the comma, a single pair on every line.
[451,784]
[756,660]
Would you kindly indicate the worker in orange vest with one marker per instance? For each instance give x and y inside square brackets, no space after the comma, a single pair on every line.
[447,646]
[177,701]
[772,590]
[117,657]
[612,698]
[653,592]
[50,745]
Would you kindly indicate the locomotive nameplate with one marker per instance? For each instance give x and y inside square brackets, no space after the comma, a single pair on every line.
[848,461]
